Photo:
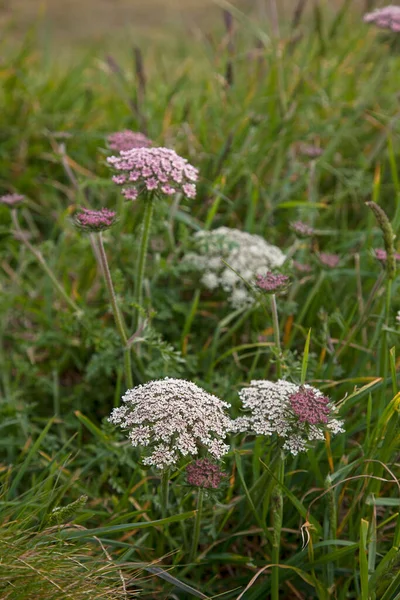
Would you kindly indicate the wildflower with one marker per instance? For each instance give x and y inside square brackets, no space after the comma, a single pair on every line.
[95,220]
[229,258]
[311,151]
[297,414]
[272,282]
[203,473]
[12,200]
[175,418]
[157,170]
[387,17]
[302,229]
[301,267]
[381,255]
[127,139]
[329,260]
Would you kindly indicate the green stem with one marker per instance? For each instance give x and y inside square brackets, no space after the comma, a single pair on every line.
[197,525]
[277,519]
[384,347]
[144,242]
[118,318]
[40,258]
[164,493]
[277,338]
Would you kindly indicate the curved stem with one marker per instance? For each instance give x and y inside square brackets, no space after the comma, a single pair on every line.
[41,260]
[118,318]
[197,525]
[144,243]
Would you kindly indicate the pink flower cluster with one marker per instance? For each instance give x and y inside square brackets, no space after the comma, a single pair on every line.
[301,228]
[387,17]
[309,406]
[158,170]
[329,260]
[95,220]
[11,199]
[203,473]
[382,255]
[127,139]
[272,282]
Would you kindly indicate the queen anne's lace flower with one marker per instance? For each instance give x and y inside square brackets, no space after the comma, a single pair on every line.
[203,473]
[247,256]
[175,418]
[158,170]
[297,414]
[95,220]
[387,17]
[302,229]
[127,139]
[329,260]
[271,283]
[12,200]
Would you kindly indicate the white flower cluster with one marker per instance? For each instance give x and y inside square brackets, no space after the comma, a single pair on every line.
[248,255]
[271,411]
[175,417]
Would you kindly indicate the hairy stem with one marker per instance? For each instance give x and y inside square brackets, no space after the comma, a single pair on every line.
[164,493]
[118,318]
[144,243]
[197,525]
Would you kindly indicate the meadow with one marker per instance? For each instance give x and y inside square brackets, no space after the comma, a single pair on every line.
[292,138]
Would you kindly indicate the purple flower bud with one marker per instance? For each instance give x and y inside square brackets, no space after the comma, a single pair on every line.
[302,229]
[381,255]
[310,406]
[95,220]
[160,170]
[387,17]
[12,200]
[272,282]
[203,473]
[127,139]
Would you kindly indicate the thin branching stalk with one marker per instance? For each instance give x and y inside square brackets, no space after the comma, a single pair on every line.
[197,524]
[118,318]
[164,493]
[144,243]
[22,237]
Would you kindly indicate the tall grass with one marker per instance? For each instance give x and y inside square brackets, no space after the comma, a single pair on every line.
[239,104]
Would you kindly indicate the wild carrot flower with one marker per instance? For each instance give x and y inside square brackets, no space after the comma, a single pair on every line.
[302,267]
[158,170]
[12,200]
[297,414]
[302,229]
[381,255]
[387,17]
[247,256]
[329,260]
[272,283]
[127,139]
[175,418]
[204,473]
[95,220]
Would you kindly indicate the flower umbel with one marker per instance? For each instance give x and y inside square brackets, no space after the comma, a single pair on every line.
[302,229]
[247,256]
[329,260]
[204,473]
[127,139]
[272,282]
[158,170]
[95,220]
[297,414]
[175,418]
[12,200]
[387,17]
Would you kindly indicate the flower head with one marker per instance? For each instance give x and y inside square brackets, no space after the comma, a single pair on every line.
[272,282]
[329,260]
[204,473]
[297,414]
[127,139]
[159,170]
[95,220]
[246,254]
[302,229]
[381,255]
[12,200]
[310,150]
[387,17]
[302,267]
[175,418]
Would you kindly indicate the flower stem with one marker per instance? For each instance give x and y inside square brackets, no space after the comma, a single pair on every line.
[119,321]
[144,243]
[197,524]
[277,518]
[164,493]
[277,338]
[41,260]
